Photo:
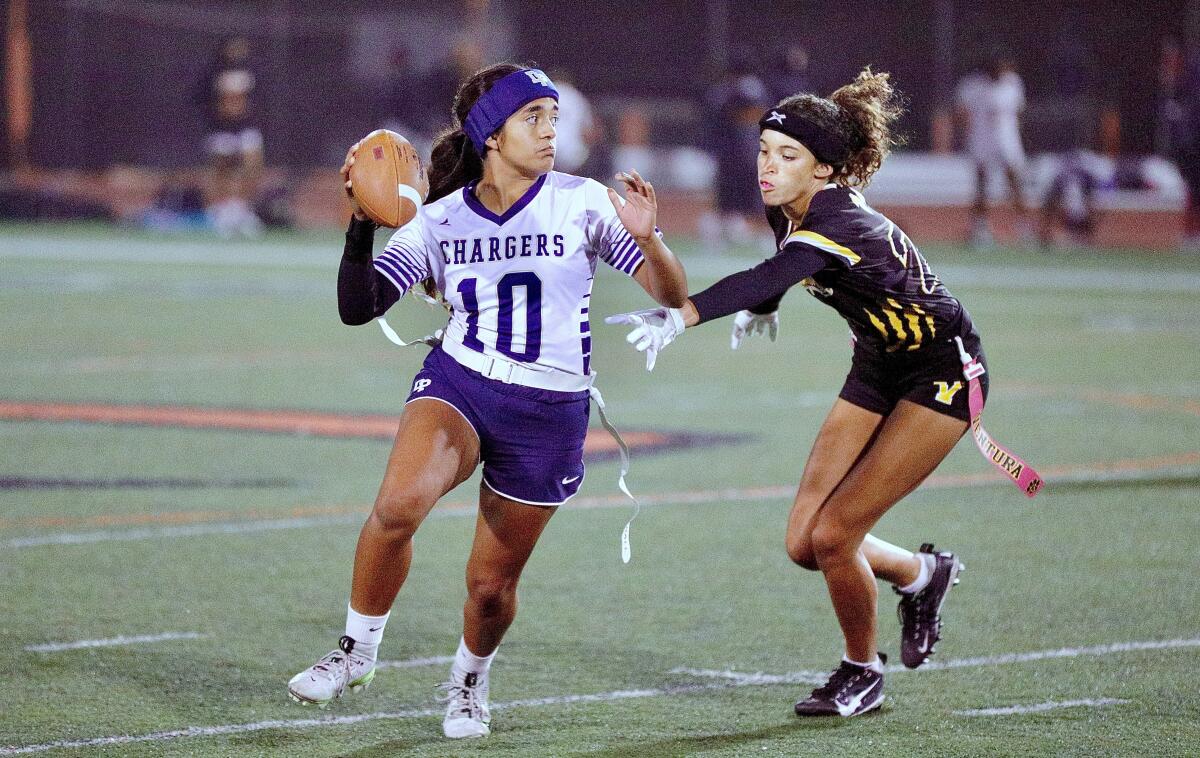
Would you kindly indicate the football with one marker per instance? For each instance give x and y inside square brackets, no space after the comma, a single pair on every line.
[388,179]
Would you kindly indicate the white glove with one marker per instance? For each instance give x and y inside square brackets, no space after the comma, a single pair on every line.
[746,324]
[654,329]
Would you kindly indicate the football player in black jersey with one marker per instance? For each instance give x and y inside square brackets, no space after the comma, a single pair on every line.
[904,404]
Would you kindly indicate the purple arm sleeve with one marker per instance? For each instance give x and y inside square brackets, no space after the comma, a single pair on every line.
[363,292]
[759,287]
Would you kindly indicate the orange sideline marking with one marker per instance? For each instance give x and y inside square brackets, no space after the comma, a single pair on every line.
[937,481]
[315,423]
[1137,400]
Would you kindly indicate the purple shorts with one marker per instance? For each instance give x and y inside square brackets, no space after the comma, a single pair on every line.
[530,439]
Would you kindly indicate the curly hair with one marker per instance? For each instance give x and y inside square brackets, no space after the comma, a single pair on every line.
[871,106]
[862,115]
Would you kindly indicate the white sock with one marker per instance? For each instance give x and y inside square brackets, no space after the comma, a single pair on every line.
[875,665]
[366,631]
[467,662]
[923,577]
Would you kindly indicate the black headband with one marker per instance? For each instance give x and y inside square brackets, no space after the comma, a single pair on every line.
[826,146]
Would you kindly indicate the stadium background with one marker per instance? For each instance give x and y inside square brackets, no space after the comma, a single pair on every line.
[132,65]
[189,439]
[112,86]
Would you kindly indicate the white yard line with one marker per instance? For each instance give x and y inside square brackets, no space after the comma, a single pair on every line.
[187,251]
[817,677]
[741,679]
[133,535]
[1066,652]
[53,647]
[296,724]
[733,679]
[1021,710]
[312,255]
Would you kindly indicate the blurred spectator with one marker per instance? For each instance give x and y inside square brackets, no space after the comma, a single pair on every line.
[441,85]
[633,144]
[273,203]
[734,105]
[1074,86]
[1185,142]
[1069,211]
[1169,110]
[578,129]
[178,206]
[234,142]
[989,104]
[402,107]
[489,23]
[791,78]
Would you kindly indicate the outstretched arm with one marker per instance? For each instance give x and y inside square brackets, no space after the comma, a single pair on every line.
[655,328]
[756,287]
[661,275]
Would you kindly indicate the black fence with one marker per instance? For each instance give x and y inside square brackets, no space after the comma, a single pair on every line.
[116,82]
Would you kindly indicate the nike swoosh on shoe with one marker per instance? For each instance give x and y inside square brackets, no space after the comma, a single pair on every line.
[847,707]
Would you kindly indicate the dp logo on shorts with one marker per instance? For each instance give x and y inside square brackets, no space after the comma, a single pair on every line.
[946,391]
[421,384]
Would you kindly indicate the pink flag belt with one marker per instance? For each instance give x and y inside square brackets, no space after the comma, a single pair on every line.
[1014,467]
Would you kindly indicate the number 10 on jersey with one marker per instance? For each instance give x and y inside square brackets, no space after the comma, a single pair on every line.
[504,317]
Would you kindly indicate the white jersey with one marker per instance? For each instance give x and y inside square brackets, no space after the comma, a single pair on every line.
[519,284]
[993,108]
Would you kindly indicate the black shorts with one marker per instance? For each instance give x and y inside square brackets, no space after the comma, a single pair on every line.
[931,377]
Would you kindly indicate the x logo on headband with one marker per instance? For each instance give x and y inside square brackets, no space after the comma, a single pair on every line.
[776,116]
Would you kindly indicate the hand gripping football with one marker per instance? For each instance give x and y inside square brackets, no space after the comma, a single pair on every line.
[387,178]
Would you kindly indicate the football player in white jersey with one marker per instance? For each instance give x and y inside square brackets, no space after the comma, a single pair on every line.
[513,247]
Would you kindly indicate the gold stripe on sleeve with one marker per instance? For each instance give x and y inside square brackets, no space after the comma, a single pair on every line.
[823,243]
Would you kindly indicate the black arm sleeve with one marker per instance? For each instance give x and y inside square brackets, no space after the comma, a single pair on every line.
[759,287]
[363,292]
[767,306]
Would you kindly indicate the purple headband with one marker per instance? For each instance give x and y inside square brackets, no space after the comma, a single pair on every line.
[505,97]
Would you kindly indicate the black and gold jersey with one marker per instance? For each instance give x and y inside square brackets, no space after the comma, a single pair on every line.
[875,277]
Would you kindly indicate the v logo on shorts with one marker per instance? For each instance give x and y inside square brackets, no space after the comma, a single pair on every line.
[568,480]
[946,392]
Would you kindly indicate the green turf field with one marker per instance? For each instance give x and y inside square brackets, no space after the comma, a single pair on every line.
[1074,632]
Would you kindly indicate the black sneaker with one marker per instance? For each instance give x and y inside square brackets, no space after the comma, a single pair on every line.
[851,690]
[920,612]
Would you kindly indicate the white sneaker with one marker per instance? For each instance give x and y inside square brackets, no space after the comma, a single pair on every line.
[329,677]
[467,713]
